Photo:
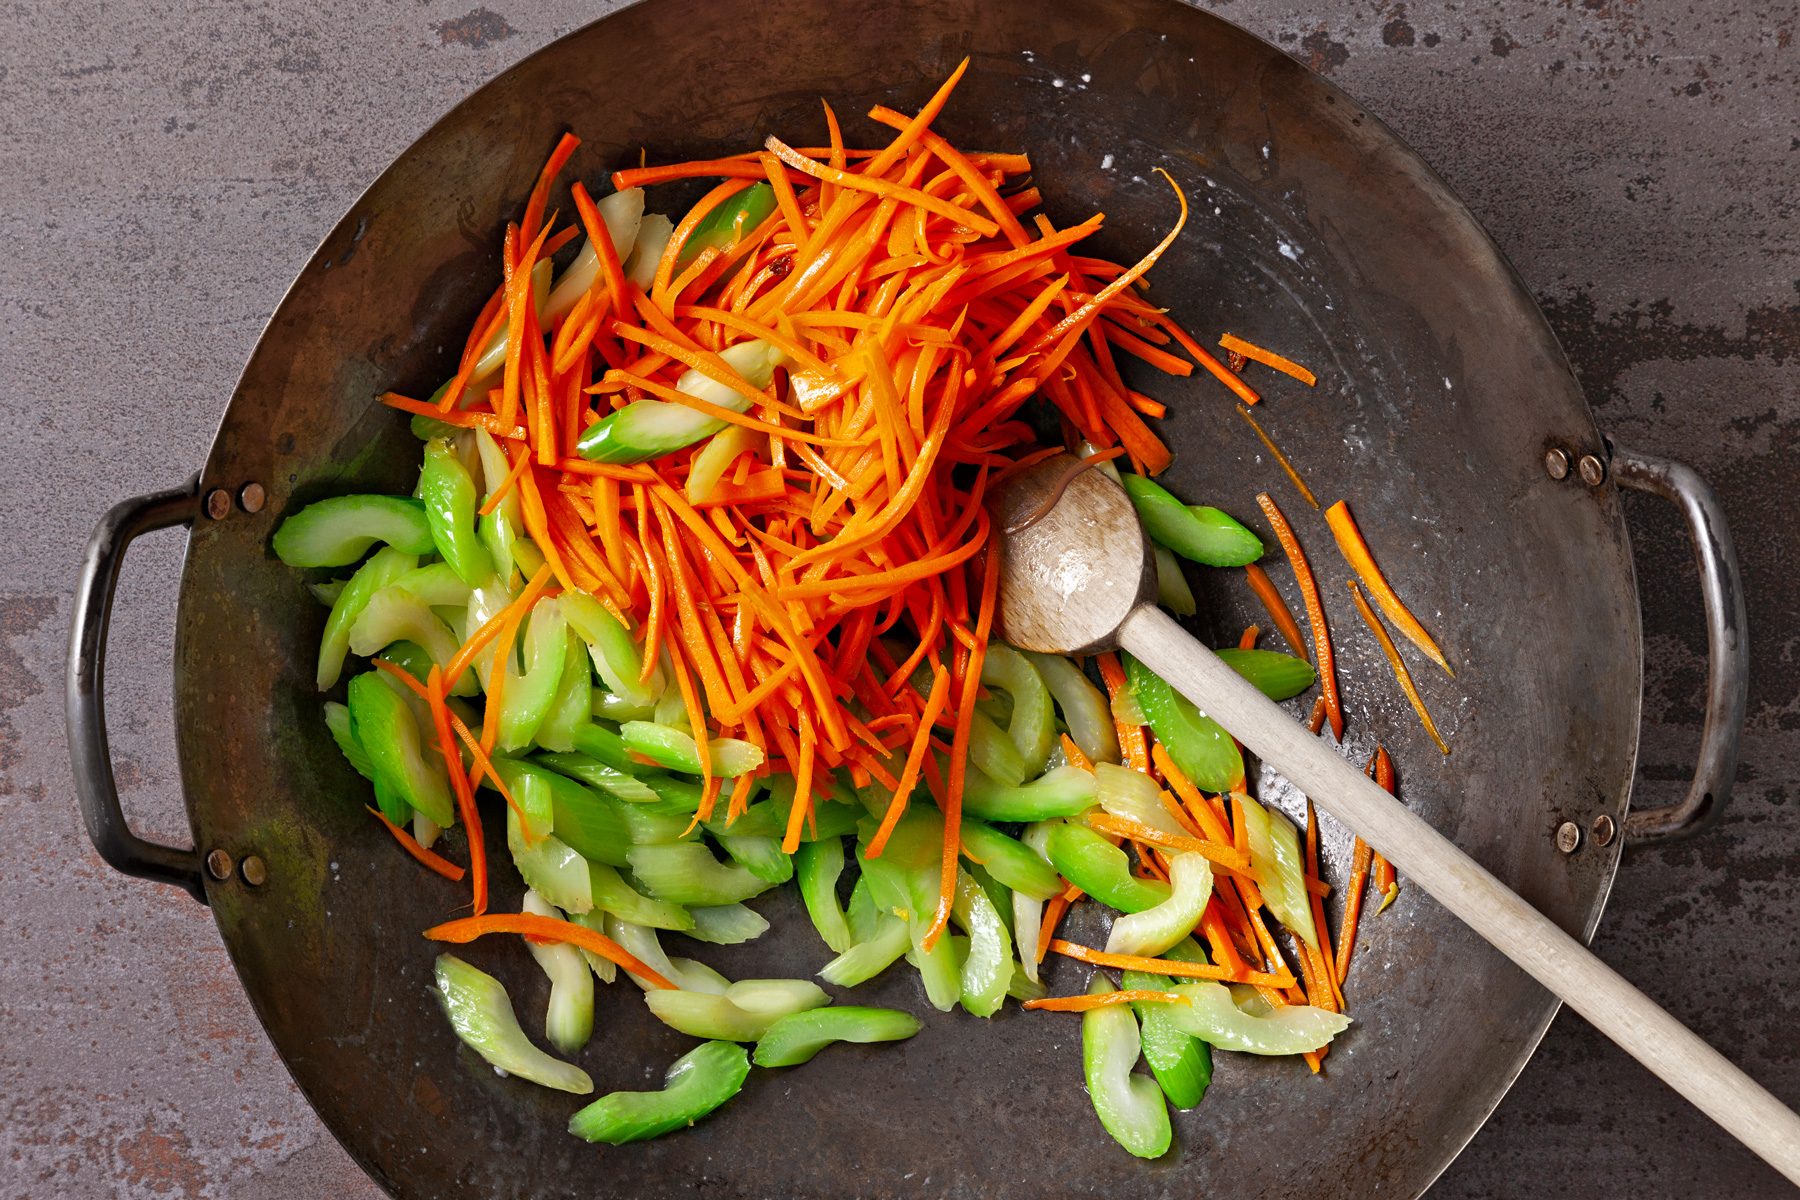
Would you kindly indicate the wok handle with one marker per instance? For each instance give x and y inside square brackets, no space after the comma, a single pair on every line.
[86,699]
[1727,645]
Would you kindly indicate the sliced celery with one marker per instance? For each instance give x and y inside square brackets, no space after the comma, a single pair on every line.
[675,749]
[698,1082]
[1129,793]
[481,1013]
[384,567]
[612,894]
[742,1014]
[448,494]
[727,924]
[818,866]
[1280,872]
[572,706]
[339,530]
[1129,1106]
[526,698]
[795,1038]
[1083,705]
[389,735]
[761,856]
[337,720]
[1152,930]
[988,967]
[687,873]
[1278,676]
[569,1019]
[1209,1015]
[1172,590]
[870,956]
[1100,869]
[1063,792]
[1033,723]
[1011,862]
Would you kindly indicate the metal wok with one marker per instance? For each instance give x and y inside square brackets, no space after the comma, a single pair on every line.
[1445,409]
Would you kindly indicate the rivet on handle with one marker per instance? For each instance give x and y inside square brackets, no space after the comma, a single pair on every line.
[1568,837]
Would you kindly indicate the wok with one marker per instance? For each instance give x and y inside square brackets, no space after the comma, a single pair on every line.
[1445,408]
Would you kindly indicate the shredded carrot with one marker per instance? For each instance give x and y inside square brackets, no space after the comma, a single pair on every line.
[410,844]
[1169,966]
[1138,831]
[1326,957]
[1356,553]
[1315,611]
[1398,664]
[1074,754]
[1132,742]
[1054,908]
[1386,882]
[1281,459]
[1316,721]
[1247,639]
[467,929]
[1267,358]
[1361,859]
[1264,587]
[1080,1004]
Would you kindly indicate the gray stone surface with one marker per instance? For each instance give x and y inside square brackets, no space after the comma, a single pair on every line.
[168,166]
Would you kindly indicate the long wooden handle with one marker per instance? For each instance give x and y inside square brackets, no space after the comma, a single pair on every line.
[1704,1076]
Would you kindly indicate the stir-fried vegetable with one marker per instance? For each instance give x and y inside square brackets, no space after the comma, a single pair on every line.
[696,1083]
[698,581]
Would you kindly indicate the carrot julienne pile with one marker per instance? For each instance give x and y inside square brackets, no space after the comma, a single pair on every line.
[919,309]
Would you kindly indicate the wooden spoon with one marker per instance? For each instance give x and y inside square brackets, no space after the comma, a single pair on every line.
[1077,576]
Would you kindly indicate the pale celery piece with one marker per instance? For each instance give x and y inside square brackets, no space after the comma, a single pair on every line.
[743,1013]
[1210,1015]
[795,1038]
[481,1013]
[1153,930]
[569,1019]
[1129,1106]
[1083,705]
[687,873]
[1275,861]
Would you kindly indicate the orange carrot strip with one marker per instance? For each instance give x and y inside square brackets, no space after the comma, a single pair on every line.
[1080,1004]
[431,859]
[1281,459]
[703,168]
[881,187]
[1356,553]
[1361,859]
[1203,356]
[1131,737]
[461,418]
[1385,880]
[1316,889]
[1074,754]
[1138,831]
[600,235]
[550,929]
[1316,721]
[1398,664]
[1169,966]
[1054,908]
[1315,611]
[1184,787]
[1264,587]
[1247,639]
[959,744]
[1268,358]
[915,758]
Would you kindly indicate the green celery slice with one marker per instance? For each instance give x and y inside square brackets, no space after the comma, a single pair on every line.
[1130,1107]
[339,530]
[481,1013]
[795,1038]
[697,1084]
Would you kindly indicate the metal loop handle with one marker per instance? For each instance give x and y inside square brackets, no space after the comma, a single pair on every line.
[86,700]
[1727,646]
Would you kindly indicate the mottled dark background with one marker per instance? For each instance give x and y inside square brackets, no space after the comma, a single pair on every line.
[166,167]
